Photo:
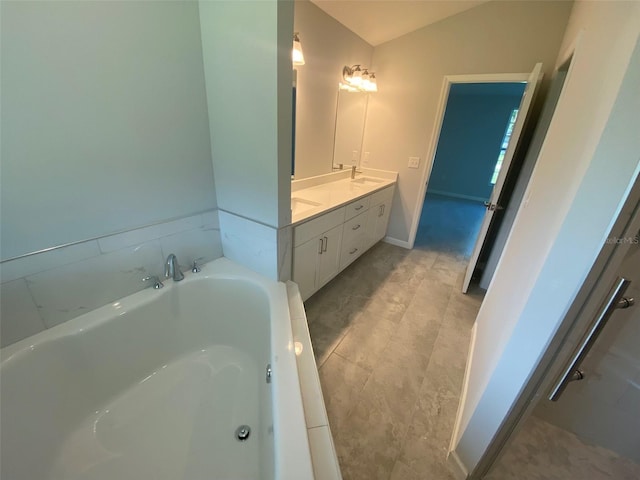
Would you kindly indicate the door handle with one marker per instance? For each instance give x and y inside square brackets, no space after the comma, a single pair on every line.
[493,206]
[615,300]
[326,242]
[321,245]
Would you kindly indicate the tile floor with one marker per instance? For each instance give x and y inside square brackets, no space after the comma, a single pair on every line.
[542,451]
[391,335]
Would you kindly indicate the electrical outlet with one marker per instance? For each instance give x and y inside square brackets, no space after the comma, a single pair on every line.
[414,162]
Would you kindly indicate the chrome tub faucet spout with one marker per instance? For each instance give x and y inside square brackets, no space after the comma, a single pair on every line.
[172,269]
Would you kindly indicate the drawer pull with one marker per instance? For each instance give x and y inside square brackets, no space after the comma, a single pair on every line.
[353,251]
[359,207]
[356,227]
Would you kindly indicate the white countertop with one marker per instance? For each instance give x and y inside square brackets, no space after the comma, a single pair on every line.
[316,195]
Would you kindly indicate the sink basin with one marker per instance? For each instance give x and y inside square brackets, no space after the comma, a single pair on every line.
[301,205]
[367,181]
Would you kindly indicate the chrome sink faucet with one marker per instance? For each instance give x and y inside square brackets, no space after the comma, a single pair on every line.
[172,269]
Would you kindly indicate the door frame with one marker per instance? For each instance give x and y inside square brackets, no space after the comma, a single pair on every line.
[437,129]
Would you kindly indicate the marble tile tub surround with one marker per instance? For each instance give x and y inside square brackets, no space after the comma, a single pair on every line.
[335,189]
[391,335]
[46,289]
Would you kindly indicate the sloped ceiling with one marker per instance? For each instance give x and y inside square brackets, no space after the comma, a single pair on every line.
[378,21]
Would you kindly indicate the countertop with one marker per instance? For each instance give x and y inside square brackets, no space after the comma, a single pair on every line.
[314,196]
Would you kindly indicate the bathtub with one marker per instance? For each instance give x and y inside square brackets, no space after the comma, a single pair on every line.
[157,385]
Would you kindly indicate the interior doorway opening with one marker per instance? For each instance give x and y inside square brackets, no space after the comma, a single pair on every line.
[476,128]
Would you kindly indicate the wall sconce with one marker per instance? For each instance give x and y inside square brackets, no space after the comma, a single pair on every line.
[358,79]
[296,54]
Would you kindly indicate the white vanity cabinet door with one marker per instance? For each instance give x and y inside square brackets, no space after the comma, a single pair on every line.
[305,266]
[378,216]
[383,221]
[329,259]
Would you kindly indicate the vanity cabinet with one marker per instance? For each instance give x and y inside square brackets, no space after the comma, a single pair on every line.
[316,252]
[327,244]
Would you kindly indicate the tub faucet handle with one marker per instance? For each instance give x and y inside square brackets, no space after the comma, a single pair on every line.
[155,281]
[195,268]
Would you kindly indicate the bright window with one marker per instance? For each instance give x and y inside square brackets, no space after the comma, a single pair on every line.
[504,145]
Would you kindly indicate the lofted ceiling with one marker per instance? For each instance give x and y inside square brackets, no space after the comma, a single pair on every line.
[378,21]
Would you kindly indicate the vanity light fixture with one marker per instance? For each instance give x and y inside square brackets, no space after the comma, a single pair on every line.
[358,79]
[296,53]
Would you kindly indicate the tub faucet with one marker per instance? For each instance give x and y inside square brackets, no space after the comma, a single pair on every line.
[172,269]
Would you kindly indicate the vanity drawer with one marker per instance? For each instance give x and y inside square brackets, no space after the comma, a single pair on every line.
[308,230]
[353,235]
[356,208]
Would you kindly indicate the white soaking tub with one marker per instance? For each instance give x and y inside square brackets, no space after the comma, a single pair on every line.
[155,386]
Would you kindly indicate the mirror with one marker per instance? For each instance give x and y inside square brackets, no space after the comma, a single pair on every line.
[351,110]
[328,126]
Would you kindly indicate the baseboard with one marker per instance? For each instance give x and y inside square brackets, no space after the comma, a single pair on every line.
[458,195]
[396,242]
[456,467]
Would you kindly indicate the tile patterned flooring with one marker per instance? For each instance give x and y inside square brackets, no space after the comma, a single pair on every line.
[391,335]
[542,451]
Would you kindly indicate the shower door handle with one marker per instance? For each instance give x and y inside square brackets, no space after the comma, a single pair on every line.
[615,300]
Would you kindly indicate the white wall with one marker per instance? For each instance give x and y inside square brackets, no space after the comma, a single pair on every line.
[104,120]
[495,37]
[105,144]
[328,46]
[586,165]
[247,62]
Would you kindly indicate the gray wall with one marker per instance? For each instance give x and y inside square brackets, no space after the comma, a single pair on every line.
[105,132]
[494,37]
[104,120]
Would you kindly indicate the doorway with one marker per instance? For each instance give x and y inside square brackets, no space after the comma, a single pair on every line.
[476,129]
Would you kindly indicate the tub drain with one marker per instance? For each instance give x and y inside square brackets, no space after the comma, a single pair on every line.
[243,432]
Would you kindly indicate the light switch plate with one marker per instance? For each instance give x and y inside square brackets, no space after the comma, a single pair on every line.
[414,162]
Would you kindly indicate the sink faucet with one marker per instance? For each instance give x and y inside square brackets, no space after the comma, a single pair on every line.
[353,172]
[172,269]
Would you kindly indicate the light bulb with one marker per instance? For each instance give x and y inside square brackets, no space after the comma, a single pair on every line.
[296,54]
[356,76]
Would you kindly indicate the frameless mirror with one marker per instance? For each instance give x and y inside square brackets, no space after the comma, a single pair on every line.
[351,110]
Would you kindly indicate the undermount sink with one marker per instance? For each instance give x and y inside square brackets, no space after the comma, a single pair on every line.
[301,205]
[367,181]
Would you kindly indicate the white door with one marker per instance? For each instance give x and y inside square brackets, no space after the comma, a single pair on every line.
[492,204]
